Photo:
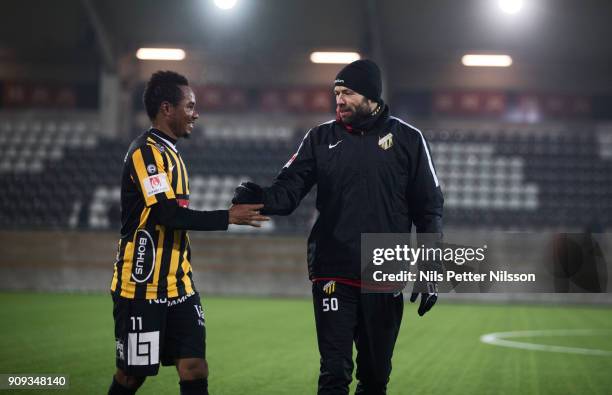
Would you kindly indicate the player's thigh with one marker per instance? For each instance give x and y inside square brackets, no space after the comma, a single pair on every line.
[185,336]
[139,333]
[380,318]
[335,308]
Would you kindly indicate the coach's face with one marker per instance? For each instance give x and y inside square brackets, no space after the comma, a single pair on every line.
[185,114]
[350,105]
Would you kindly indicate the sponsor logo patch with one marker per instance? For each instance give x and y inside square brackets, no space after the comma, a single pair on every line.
[143,348]
[144,256]
[155,184]
[386,142]
[152,169]
[119,348]
[172,301]
[200,314]
[333,145]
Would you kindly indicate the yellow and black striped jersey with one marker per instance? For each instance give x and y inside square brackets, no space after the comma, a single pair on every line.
[153,261]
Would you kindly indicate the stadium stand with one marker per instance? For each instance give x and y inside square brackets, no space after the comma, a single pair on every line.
[57,172]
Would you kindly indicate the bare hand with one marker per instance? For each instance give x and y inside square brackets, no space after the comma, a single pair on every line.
[246,214]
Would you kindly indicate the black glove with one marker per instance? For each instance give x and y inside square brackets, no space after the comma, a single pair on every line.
[427,299]
[248,193]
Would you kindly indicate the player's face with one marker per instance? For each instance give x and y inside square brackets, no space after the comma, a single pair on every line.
[185,114]
[350,105]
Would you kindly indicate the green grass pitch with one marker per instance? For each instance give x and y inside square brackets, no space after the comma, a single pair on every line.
[268,346]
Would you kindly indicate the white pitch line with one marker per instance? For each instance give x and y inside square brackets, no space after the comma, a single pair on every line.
[499,339]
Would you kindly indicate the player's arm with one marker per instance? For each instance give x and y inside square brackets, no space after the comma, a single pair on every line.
[148,170]
[290,186]
[170,214]
[426,203]
[425,194]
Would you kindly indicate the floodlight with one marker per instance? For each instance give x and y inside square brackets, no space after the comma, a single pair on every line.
[510,6]
[160,54]
[334,57]
[486,60]
[225,4]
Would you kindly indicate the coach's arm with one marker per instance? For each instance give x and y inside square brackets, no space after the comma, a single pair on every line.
[426,204]
[290,186]
[425,195]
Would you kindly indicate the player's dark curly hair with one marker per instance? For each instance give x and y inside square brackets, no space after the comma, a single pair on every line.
[163,86]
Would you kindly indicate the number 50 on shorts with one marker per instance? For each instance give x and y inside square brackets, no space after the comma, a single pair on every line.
[330,304]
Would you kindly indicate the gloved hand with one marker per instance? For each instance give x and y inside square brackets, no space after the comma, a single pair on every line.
[248,193]
[428,299]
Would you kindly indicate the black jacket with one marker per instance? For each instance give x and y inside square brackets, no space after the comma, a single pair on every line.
[377,178]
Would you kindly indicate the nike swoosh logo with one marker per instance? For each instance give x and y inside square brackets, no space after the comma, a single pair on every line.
[171,168]
[333,145]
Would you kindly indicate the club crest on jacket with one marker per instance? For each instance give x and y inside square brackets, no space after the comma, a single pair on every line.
[386,142]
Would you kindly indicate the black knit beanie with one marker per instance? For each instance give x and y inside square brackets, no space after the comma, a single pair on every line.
[362,76]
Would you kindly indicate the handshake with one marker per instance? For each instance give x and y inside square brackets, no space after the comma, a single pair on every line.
[248,193]
[246,205]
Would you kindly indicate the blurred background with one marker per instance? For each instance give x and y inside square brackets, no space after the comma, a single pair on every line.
[521,139]
[522,144]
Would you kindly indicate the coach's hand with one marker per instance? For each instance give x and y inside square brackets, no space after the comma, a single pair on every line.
[246,214]
[248,193]
[428,299]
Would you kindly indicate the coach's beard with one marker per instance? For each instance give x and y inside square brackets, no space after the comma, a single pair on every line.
[364,119]
[359,115]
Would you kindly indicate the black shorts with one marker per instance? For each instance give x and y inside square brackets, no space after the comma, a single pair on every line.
[150,331]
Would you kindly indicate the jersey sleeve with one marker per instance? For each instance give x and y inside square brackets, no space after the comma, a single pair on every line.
[148,170]
[293,182]
[425,196]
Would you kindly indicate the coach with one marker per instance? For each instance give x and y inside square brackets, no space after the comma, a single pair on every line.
[374,174]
